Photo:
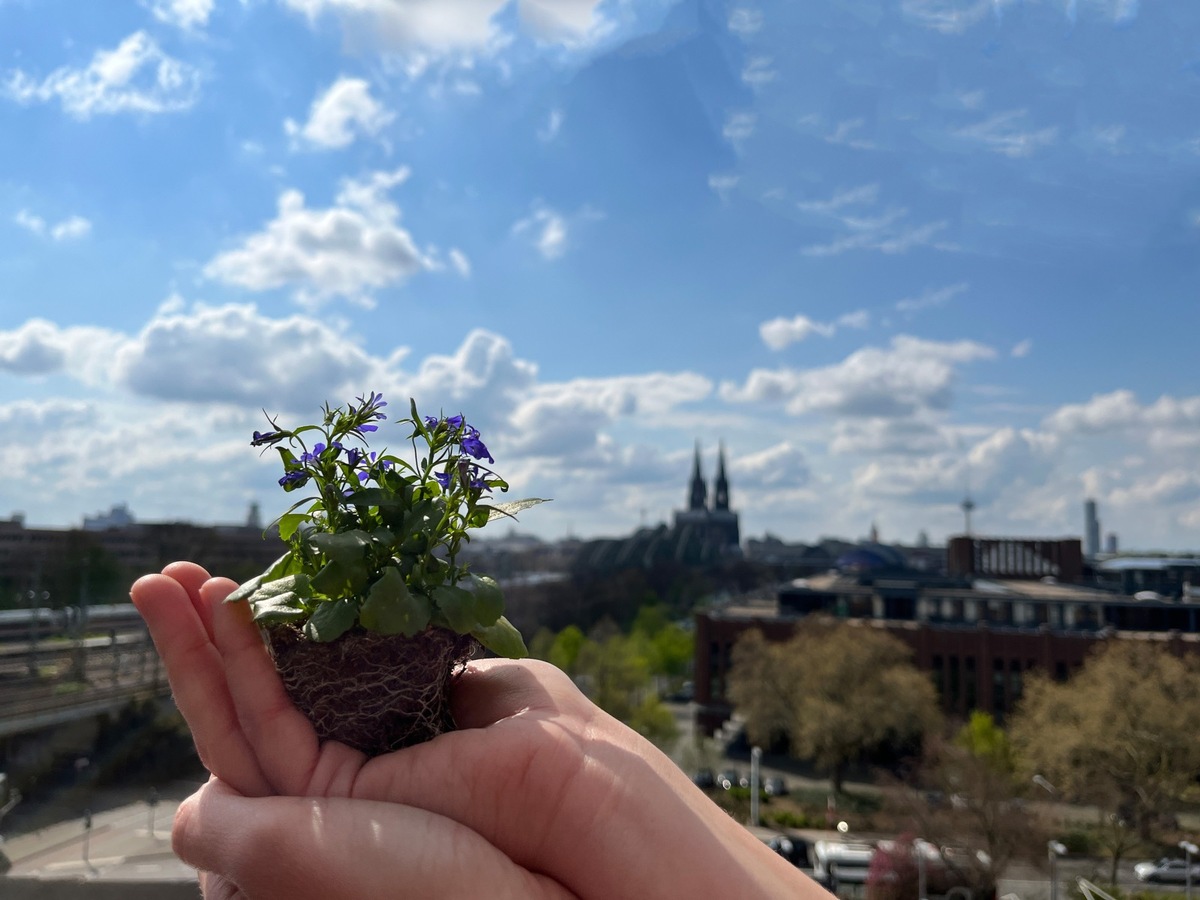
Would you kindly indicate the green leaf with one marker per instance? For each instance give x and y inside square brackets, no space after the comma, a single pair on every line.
[330,620]
[391,608]
[374,496]
[287,564]
[280,608]
[511,509]
[341,579]
[458,605]
[246,589]
[489,599]
[345,546]
[502,638]
[289,523]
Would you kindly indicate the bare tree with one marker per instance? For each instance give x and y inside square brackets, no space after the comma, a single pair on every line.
[1119,735]
[836,690]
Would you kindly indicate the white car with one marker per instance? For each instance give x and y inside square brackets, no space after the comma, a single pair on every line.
[1167,870]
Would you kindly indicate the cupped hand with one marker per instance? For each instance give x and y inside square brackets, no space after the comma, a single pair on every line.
[535,770]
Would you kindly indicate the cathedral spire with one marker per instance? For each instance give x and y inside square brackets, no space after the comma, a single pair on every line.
[721,487]
[698,493]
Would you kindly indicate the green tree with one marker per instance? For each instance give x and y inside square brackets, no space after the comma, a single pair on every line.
[613,675]
[1119,735]
[836,690]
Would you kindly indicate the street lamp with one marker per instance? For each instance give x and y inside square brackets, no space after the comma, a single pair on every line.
[1055,850]
[1189,848]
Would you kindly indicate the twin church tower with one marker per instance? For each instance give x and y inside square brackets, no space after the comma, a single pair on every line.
[716,526]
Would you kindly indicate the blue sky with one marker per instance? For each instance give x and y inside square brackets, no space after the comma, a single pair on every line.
[887,251]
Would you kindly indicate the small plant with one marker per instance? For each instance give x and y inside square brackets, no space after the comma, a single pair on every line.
[372,563]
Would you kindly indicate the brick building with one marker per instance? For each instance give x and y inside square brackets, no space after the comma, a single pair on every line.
[1001,611]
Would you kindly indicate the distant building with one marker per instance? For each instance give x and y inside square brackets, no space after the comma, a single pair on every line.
[117,517]
[700,533]
[1002,608]
[714,526]
[1091,523]
[1110,544]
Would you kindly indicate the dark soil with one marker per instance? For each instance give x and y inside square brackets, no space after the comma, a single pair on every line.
[375,692]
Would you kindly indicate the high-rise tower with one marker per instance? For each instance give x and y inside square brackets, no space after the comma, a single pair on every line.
[1091,529]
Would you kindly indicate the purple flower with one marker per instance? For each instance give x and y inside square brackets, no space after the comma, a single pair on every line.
[472,445]
[454,423]
[371,406]
[443,478]
[432,422]
[294,478]
[368,427]
[354,456]
[269,437]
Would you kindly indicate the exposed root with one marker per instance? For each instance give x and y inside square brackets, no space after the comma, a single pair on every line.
[376,693]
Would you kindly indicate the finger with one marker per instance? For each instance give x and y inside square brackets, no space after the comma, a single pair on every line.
[197,676]
[297,848]
[281,737]
[491,690]
[191,577]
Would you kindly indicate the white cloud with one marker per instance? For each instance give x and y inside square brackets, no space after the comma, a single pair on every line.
[745,22]
[348,250]
[780,332]
[71,228]
[931,298]
[547,230]
[739,127]
[423,28]
[853,212]
[458,259]
[910,376]
[846,133]
[948,16]
[39,347]
[567,419]
[781,465]
[1006,133]
[553,125]
[344,111]
[759,71]
[856,196]
[136,77]
[723,185]
[1022,349]
[234,354]
[187,15]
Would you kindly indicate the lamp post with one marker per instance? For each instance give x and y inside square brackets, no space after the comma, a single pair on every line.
[1055,850]
[36,599]
[755,778]
[1189,849]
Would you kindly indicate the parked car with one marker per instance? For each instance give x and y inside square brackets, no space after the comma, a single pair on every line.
[729,778]
[704,779]
[1167,870]
[775,786]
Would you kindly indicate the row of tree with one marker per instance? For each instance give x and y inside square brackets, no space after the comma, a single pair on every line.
[1120,736]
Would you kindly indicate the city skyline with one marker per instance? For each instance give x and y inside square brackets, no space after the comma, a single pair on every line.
[892,255]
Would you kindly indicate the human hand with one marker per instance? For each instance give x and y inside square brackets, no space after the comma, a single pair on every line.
[535,769]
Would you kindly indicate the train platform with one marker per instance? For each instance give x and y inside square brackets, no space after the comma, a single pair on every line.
[122,851]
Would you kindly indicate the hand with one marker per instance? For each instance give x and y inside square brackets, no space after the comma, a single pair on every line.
[535,770]
[284,848]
